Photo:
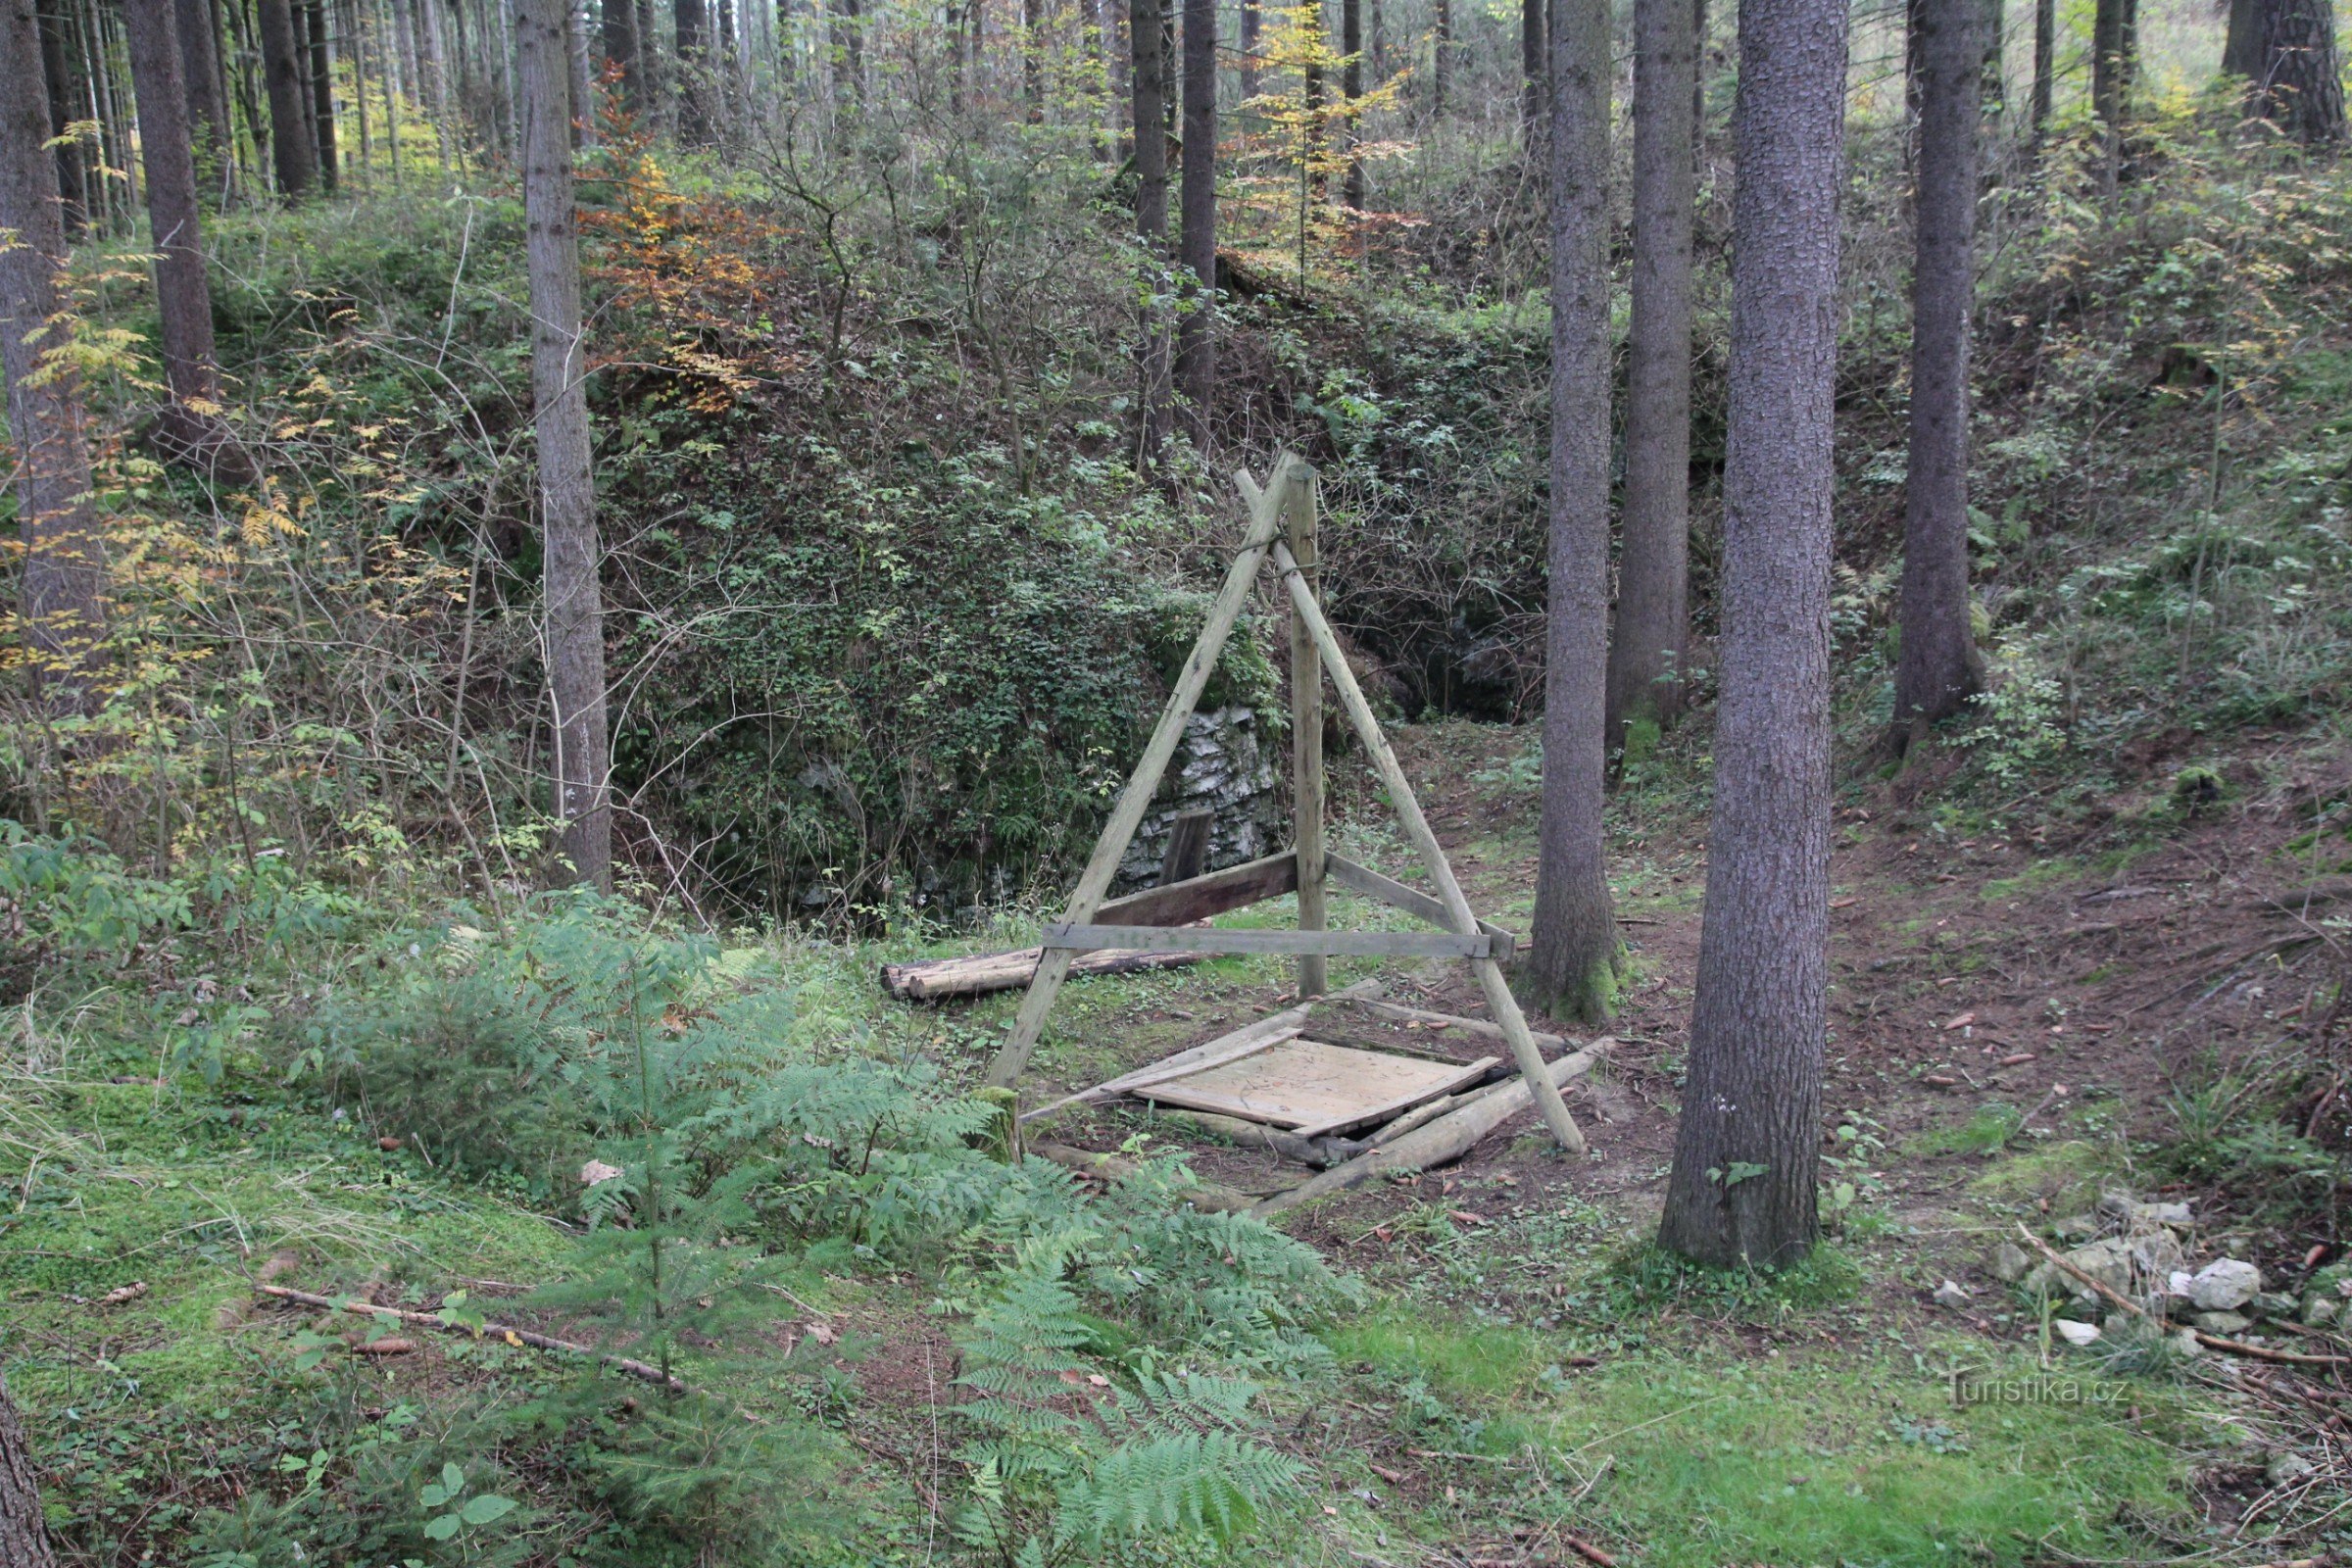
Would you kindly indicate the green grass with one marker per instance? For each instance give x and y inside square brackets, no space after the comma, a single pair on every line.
[1701,1455]
[1987,1131]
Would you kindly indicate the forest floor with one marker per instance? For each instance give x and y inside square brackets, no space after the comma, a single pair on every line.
[2023,1017]
[1522,1380]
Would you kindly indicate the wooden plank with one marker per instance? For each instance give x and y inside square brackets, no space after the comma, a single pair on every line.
[1272,1023]
[1447,1020]
[1237,887]
[1449,1138]
[1210,939]
[1187,853]
[1490,982]
[1320,1153]
[1306,748]
[1469,1073]
[1166,1072]
[1303,1082]
[1103,864]
[1359,878]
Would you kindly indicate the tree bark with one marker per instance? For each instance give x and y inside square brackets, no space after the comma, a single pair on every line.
[1533,93]
[1196,330]
[207,93]
[1573,958]
[1251,24]
[63,572]
[291,151]
[24,1533]
[2045,65]
[191,430]
[2110,62]
[2241,44]
[1033,60]
[575,634]
[1440,58]
[583,74]
[1352,87]
[1144,36]
[1937,670]
[2299,87]
[853,51]
[72,183]
[1746,1150]
[620,49]
[1653,618]
[694,120]
[322,93]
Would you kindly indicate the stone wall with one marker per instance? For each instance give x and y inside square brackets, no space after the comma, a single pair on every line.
[1224,765]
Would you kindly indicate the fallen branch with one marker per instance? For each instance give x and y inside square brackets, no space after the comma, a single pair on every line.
[1320,1153]
[488,1331]
[2209,1340]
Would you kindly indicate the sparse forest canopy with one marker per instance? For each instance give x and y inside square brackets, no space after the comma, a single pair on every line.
[547,540]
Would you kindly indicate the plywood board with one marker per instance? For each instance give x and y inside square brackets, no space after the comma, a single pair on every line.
[1304,1083]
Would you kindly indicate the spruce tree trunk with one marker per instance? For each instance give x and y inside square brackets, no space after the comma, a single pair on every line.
[2300,85]
[73,185]
[24,1533]
[1572,962]
[2110,62]
[575,634]
[583,74]
[63,570]
[1352,87]
[1653,618]
[191,430]
[620,48]
[1746,1148]
[2045,65]
[322,94]
[853,51]
[2241,44]
[1196,331]
[1032,59]
[1440,59]
[1533,93]
[292,154]
[694,120]
[1251,22]
[1938,670]
[207,93]
[1145,34]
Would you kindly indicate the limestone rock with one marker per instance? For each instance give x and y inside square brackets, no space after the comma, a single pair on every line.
[2275,1303]
[2223,1323]
[2010,1263]
[1952,1293]
[2287,1467]
[2074,1333]
[2137,1215]
[2223,1286]
[2319,1311]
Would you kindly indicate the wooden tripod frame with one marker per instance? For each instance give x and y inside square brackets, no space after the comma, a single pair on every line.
[1159,917]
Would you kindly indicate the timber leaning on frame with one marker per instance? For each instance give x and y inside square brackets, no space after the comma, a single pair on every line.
[1157,919]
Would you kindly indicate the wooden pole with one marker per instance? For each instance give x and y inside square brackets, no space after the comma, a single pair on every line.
[1265,517]
[1498,991]
[1306,747]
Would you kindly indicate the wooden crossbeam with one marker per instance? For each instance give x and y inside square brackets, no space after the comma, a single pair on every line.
[1237,887]
[1360,878]
[1087,938]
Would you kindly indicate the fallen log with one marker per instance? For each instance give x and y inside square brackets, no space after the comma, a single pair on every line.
[1118,1169]
[1437,1143]
[488,1331]
[1320,1153]
[934,979]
